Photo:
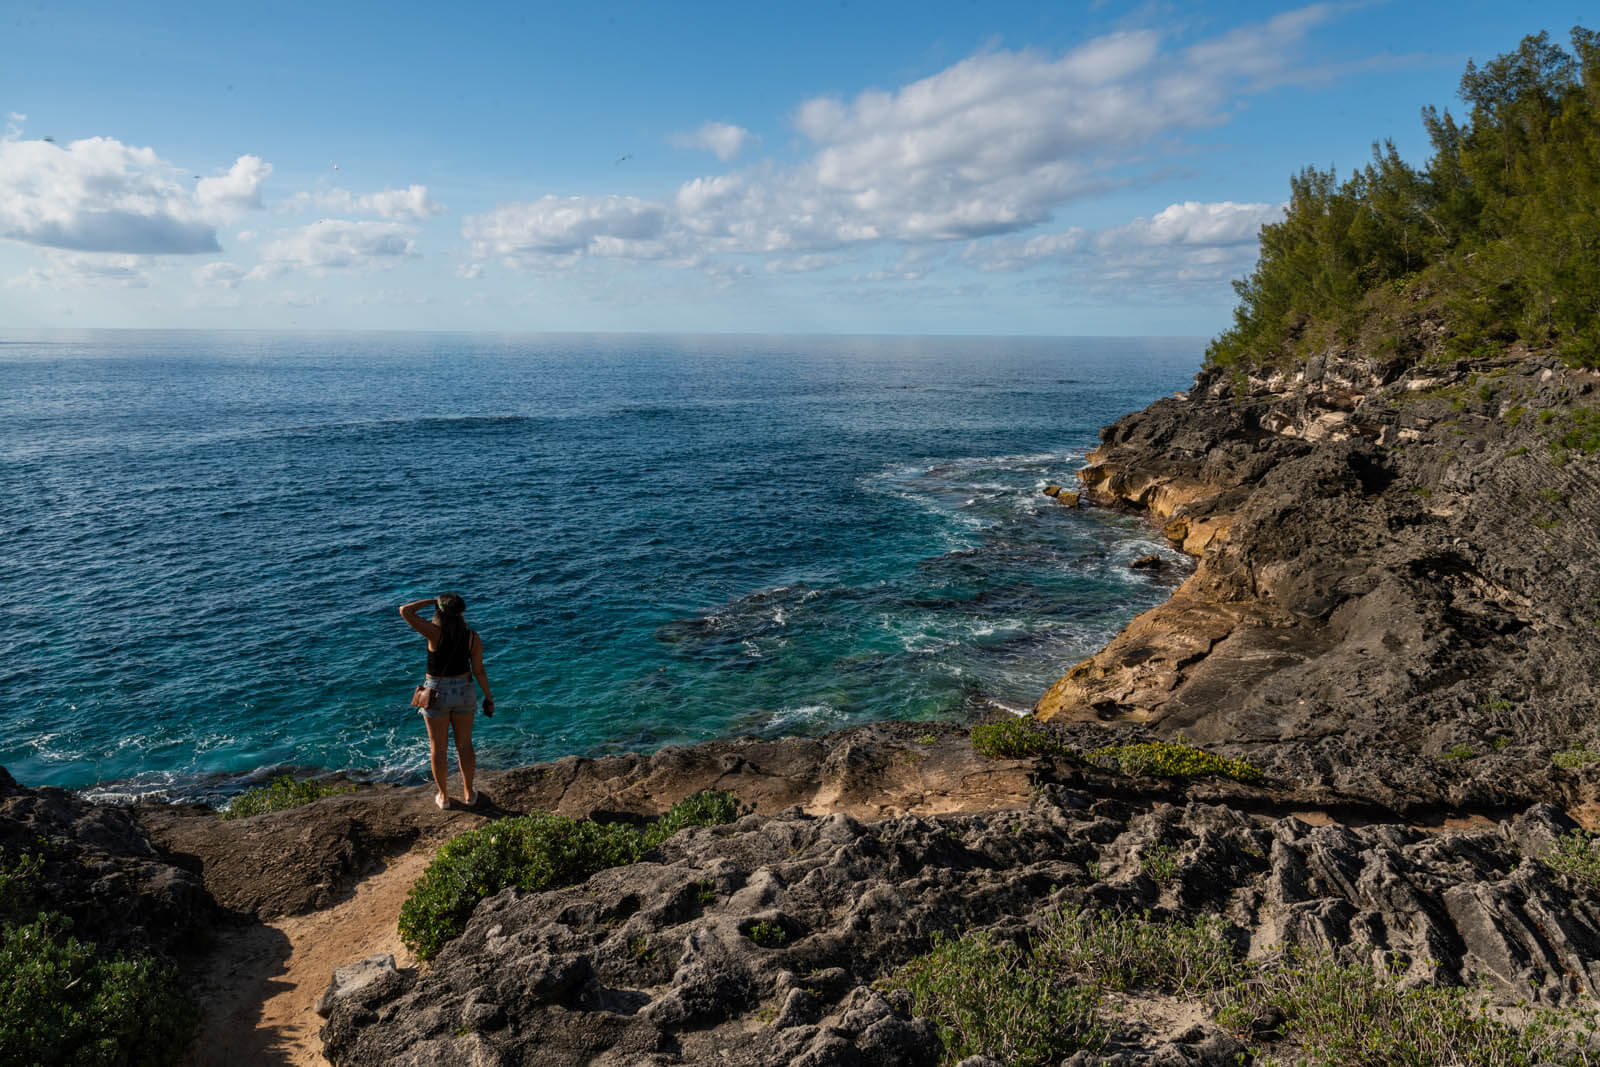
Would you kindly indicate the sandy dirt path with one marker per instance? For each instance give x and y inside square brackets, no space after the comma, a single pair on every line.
[259,987]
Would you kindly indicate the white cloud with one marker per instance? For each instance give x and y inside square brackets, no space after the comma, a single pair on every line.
[989,148]
[337,244]
[1187,244]
[804,264]
[411,204]
[719,138]
[97,195]
[222,275]
[100,195]
[237,191]
[1012,254]
[76,270]
[556,227]
[1192,223]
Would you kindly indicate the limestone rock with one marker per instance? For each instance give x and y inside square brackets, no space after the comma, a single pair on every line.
[1390,568]
[558,977]
[352,979]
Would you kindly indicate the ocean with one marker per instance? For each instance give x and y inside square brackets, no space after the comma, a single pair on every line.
[662,539]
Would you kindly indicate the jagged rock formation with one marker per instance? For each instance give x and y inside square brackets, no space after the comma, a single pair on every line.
[103,872]
[1395,565]
[758,943]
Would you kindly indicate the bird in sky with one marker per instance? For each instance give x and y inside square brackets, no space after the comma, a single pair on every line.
[622,159]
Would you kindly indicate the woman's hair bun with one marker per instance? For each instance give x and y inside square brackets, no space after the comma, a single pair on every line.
[451,604]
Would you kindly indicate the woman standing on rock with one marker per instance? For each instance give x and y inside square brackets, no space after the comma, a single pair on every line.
[455,657]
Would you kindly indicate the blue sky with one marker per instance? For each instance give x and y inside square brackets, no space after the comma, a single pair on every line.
[928,167]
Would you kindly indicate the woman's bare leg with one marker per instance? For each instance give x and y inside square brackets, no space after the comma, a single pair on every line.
[438,756]
[461,723]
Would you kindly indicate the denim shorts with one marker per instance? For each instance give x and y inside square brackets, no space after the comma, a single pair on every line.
[452,696]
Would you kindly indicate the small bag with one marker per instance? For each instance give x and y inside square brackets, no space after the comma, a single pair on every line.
[423,697]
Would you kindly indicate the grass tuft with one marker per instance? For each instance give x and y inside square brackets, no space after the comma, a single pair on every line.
[1574,856]
[1018,738]
[533,852]
[1171,759]
[284,792]
[986,998]
[1038,1004]
[1343,1014]
[1573,758]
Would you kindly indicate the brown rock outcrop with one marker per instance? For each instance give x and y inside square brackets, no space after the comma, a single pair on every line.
[1394,563]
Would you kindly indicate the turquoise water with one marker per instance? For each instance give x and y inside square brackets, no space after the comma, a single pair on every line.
[662,539]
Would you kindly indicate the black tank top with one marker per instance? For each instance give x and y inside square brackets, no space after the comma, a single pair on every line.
[452,658]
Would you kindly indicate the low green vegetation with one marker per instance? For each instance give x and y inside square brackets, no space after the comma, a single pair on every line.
[1124,953]
[1493,233]
[62,1001]
[284,792]
[1172,759]
[1574,856]
[1160,864]
[990,998]
[1459,751]
[1572,758]
[1344,1014]
[1037,1003]
[1019,738]
[533,852]
[1577,430]
[1024,737]
[768,934]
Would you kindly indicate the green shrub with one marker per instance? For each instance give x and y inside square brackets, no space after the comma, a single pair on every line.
[768,934]
[532,852]
[1160,864]
[709,808]
[1125,953]
[1170,759]
[61,1002]
[1574,855]
[1573,758]
[1039,1004]
[1349,1015]
[1577,430]
[1017,738]
[284,792]
[21,890]
[1459,751]
[987,999]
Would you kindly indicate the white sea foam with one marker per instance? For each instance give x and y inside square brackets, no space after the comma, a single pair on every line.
[804,715]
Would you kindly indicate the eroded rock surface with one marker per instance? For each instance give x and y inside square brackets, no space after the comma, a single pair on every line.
[1396,566]
[760,942]
[102,871]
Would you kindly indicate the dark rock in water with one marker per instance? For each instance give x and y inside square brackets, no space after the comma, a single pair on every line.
[1152,562]
[102,871]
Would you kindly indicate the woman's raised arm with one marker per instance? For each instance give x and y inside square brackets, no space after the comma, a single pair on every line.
[424,627]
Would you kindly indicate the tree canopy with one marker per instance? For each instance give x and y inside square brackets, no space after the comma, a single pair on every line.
[1501,226]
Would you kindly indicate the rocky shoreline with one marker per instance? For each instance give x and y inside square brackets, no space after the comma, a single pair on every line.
[1394,616]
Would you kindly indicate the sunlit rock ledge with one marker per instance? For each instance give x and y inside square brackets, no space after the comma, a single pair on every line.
[1394,562]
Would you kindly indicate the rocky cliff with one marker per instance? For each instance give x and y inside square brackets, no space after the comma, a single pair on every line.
[1398,590]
